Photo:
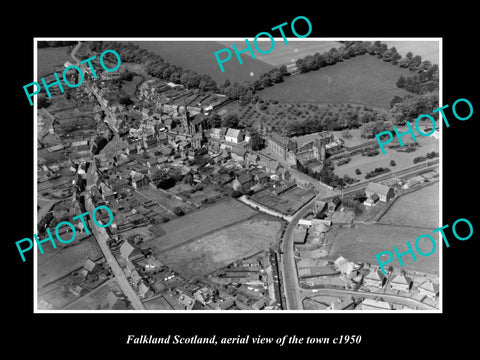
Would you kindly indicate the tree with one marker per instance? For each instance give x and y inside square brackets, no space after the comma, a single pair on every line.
[125,100]
[42,101]
[401,82]
[178,211]
[283,70]
[369,130]
[230,121]
[215,121]
[392,163]
[226,84]
[415,63]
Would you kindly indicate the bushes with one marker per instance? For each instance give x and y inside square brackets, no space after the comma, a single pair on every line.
[370,152]
[343,161]
[428,156]
[236,194]
[376,172]
[178,211]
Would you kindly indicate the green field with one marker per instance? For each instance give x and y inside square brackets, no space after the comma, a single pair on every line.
[199,56]
[364,80]
[361,244]
[51,57]
[402,160]
[419,208]
[219,249]
[55,263]
[200,223]
[284,53]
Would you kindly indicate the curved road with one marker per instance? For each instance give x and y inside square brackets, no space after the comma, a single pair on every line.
[291,287]
[386,297]
[290,283]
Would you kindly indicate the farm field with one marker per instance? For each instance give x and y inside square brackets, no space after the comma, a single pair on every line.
[419,208]
[199,56]
[219,249]
[51,57]
[361,244]
[199,223]
[55,263]
[402,160]
[364,80]
[284,53]
[428,50]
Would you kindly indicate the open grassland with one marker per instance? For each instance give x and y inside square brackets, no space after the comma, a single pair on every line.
[402,160]
[199,56]
[199,223]
[219,249]
[51,57]
[55,263]
[419,208]
[428,50]
[364,80]
[284,53]
[361,244]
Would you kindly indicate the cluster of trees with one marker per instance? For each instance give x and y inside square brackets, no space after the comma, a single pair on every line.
[369,130]
[412,106]
[376,172]
[430,155]
[348,50]
[326,175]
[349,118]
[155,65]
[427,79]
[44,44]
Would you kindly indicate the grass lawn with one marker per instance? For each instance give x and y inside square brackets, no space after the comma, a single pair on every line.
[199,223]
[51,57]
[363,80]
[199,56]
[419,208]
[55,263]
[219,249]
[402,160]
[365,241]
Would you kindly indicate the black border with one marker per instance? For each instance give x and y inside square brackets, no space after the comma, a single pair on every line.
[384,334]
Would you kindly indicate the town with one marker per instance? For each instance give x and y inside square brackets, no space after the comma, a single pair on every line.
[216,208]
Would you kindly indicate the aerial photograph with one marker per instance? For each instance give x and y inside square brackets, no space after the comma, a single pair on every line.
[259,188]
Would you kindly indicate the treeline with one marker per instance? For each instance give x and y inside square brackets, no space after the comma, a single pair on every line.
[427,80]
[44,44]
[410,107]
[156,66]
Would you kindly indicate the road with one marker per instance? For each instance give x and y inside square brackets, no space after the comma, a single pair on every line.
[291,287]
[101,236]
[290,284]
[304,293]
